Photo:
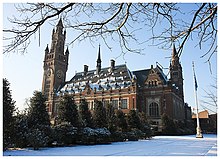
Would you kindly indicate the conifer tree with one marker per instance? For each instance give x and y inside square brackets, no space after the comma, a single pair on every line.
[168,125]
[38,115]
[38,122]
[145,126]
[134,120]
[99,115]
[21,129]
[85,114]
[111,118]
[8,110]
[68,111]
[121,121]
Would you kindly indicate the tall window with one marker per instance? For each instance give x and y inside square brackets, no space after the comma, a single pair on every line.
[90,105]
[154,110]
[124,104]
[115,103]
[56,107]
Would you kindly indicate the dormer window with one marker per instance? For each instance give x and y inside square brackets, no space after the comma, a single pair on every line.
[149,84]
[152,83]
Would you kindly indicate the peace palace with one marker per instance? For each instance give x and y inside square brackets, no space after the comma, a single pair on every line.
[148,90]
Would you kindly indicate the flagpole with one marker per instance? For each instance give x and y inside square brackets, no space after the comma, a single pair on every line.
[198,129]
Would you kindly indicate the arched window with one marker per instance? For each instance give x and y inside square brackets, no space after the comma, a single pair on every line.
[154,110]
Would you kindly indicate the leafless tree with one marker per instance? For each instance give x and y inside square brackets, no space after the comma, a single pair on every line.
[209,101]
[120,23]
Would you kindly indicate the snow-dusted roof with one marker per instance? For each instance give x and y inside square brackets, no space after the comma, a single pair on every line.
[119,77]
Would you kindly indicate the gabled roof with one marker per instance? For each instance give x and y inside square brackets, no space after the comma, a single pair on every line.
[120,77]
[142,75]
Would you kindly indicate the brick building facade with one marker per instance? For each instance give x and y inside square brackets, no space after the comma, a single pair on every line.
[147,90]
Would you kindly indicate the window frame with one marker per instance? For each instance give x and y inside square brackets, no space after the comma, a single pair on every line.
[154,110]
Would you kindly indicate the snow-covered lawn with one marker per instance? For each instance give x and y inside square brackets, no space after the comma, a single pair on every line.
[157,146]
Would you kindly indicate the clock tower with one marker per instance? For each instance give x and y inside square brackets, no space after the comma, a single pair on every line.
[176,73]
[55,66]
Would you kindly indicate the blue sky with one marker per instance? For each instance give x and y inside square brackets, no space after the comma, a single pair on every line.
[25,72]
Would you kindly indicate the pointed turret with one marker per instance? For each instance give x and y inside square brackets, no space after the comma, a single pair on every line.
[47,49]
[67,57]
[67,51]
[99,61]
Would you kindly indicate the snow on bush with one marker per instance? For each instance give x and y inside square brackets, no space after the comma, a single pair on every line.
[65,134]
[37,138]
[95,136]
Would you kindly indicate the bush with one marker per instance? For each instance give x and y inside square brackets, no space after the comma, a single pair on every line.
[118,136]
[37,138]
[65,134]
[147,132]
[90,136]
[169,127]
[134,135]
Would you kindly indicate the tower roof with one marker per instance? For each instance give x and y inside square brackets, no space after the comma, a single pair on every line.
[174,53]
[60,23]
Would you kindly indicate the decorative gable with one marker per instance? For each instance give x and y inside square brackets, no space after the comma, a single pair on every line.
[153,79]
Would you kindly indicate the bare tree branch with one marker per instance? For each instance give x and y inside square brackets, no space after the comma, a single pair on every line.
[119,22]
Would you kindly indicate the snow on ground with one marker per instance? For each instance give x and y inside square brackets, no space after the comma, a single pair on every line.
[158,146]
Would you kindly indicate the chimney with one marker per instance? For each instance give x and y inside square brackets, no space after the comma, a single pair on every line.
[152,66]
[112,64]
[85,69]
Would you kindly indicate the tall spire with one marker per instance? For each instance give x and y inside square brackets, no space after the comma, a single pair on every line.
[60,26]
[174,53]
[175,57]
[99,56]
[99,61]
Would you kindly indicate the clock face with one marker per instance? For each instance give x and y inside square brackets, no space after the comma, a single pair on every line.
[59,74]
